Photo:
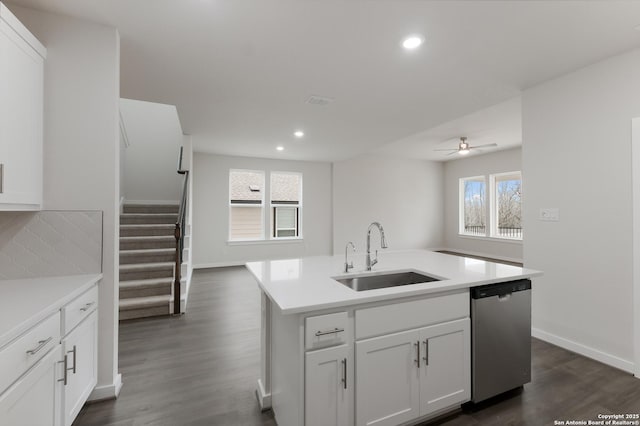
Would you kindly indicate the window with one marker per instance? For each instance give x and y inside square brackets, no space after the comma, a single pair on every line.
[505,199]
[473,206]
[286,196]
[247,215]
[508,205]
[246,201]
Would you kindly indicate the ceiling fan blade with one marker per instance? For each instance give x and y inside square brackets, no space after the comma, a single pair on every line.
[483,146]
[454,152]
[450,149]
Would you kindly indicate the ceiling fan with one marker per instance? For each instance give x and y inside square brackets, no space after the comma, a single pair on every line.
[464,148]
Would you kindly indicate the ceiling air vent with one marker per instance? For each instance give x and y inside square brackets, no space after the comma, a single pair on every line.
[319,100]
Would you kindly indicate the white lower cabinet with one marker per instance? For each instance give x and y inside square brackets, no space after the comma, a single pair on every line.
[414,373]
[445,373]
[81,352]
[45,380]
[387,380]
[34,398]
[327,387]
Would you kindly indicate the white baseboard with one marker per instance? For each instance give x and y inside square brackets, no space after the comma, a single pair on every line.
[264,399]
[218,264]
[477,253]
[101,393]
[587,351]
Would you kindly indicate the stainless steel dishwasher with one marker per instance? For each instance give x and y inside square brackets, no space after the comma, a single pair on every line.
[500,338]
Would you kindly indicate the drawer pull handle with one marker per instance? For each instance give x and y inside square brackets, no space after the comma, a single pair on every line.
[334,331]
[41,344]
[87,306]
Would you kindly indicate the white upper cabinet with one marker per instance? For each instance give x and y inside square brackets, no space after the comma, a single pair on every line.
[21,115]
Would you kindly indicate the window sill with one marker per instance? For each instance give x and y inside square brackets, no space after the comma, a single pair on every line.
[492,239]
[295,240]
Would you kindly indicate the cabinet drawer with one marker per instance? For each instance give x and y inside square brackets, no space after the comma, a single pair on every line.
[326,330]
[26,350]
[413,314]
[79,309]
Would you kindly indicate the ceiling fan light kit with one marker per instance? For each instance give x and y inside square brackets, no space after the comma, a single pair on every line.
[464,148]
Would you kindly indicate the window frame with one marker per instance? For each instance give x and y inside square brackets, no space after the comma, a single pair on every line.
[259,205]
[494,180]
[491,207]
[272,208]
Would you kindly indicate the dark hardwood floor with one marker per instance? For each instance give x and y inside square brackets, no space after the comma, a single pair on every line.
[201,369]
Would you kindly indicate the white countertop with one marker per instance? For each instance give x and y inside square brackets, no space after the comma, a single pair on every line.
[306,284]
[25,302]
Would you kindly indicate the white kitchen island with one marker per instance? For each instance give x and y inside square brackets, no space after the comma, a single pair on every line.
[389,356]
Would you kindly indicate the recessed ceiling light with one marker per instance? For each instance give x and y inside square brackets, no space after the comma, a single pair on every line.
[298,133]
[280,148]
[412,42]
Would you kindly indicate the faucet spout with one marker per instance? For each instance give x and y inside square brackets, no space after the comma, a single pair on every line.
[383,244]
[348,265]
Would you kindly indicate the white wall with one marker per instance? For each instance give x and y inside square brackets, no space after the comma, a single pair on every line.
[479,165]
[577,157]
[151,159]
[405,196]
[211,211]
[81,153]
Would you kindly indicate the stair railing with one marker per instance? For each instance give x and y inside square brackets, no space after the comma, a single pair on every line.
[179,234]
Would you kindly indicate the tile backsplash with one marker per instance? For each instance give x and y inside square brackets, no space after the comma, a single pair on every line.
[50,243]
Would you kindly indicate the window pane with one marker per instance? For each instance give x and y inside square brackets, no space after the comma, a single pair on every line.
[509,206]
[474,207]
[246,223]
[246,186]
[286,217]
[286,203]
[285,187]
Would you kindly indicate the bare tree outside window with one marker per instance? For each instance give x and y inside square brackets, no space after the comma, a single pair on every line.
[474,206]
[509,206]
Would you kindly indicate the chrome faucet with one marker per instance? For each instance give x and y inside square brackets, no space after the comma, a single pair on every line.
[383,244]
[348,265]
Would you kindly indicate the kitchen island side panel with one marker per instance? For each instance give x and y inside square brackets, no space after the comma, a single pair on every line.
[287,368]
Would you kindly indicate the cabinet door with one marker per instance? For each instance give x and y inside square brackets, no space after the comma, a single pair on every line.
[327,387]
[35,398]
[80,347]
[445,377]
[387,379]
[21,122]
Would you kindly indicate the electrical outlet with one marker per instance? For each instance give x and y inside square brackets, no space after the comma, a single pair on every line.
[550,214]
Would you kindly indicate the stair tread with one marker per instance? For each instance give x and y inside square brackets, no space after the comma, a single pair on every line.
[147,225]
[148,237]
[148,251]
[148,214]
[144,266]
[144,302]
[144,283]
[151,205]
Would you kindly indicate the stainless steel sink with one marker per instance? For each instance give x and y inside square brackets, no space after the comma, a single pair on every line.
[384,280]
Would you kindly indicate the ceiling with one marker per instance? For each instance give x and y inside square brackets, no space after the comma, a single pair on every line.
[239,71]
[500,124]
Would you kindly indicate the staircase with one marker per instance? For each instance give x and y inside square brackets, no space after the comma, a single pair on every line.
[147,259]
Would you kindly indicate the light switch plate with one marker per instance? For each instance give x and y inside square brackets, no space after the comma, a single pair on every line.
[550,214]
